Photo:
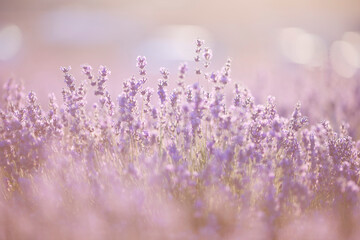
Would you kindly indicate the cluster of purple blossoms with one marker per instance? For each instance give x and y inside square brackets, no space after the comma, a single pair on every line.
[189,166]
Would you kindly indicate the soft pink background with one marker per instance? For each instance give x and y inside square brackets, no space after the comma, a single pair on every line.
[58,33]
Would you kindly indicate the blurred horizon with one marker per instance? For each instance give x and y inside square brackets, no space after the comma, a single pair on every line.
[278,40]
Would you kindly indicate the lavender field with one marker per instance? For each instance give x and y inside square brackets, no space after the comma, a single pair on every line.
[181,163]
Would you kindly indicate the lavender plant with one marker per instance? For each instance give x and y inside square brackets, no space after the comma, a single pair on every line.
[190,166]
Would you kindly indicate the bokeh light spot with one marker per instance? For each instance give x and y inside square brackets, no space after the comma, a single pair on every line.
[10,42]
[301,47]
[344,58]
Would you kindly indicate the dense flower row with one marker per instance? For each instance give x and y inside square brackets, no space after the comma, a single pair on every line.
[178,164]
